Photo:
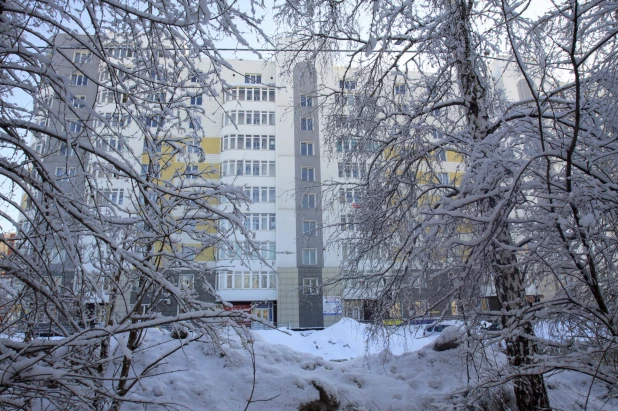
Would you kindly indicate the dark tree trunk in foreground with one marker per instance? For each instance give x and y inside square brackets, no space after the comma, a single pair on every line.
[530,391]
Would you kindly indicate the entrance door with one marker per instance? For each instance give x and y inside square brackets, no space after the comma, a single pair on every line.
[263,313]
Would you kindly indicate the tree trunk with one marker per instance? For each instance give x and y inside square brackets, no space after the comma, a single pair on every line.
[530,391]
[121,389]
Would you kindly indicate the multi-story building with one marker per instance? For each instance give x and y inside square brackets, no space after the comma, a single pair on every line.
[263,134]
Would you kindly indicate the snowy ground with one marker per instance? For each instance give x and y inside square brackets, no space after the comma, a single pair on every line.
[348,339]
[412,376]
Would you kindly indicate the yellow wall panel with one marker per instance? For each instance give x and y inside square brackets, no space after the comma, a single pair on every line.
[211,145]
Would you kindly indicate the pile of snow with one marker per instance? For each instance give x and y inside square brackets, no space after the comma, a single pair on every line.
[349,339]
[286,378]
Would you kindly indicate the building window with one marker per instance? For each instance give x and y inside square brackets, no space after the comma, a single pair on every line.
[106,97]
[346,222]
[253,78]
[440,155]
[113,120]
[352,170]
[442,178]
[437,135]
[308,201]
[114,196]
[347,145]
[307,174]
[154,121]
[250,94]
[260,222]
[310,256]
[246,280]
[74,126]
[348,196]
[195,124]
[347,84]
[266,249]
[306,124]
[186,281]
[260,194]
[454,308]
[194,147]
[196,76]
[157,97]
[247,142]
[39,145]
[120,52]
[66,150]
[150,170]
[192,172]
[306,101]
[400,89]
[79,79]
[63,175]
[421,307]
[306,149]
[111,144]
[196,100]
[152,146]
[81,57]
[309,228]
[248,168]
[310,286]
[436,113]
[263,118]
[78,101]
[104,76]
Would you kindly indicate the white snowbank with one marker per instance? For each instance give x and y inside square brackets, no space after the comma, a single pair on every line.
[348,339]
[285,377]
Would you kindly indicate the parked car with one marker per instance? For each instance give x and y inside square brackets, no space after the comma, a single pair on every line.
[495,326]
[437,328]
[45,330]
[421,321]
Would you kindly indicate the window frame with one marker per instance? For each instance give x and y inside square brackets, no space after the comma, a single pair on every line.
[253,78]
[74,126]
[443,178]
[306,100]
[306,123]
[84,57]
[309,148]
[347,84]
[65,173]
[192,172]
[309,256]
[311,286]
[78,101]
[306,201]
[310,228]
[190,277]
[196,100]
[401,89]
[305,174]
[78,79]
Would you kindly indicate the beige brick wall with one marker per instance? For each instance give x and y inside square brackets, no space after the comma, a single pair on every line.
[287,299]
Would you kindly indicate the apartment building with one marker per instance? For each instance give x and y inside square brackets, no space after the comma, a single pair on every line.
[264,135]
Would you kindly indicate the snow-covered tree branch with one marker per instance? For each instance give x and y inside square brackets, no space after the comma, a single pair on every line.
[488,138]
[98,100]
